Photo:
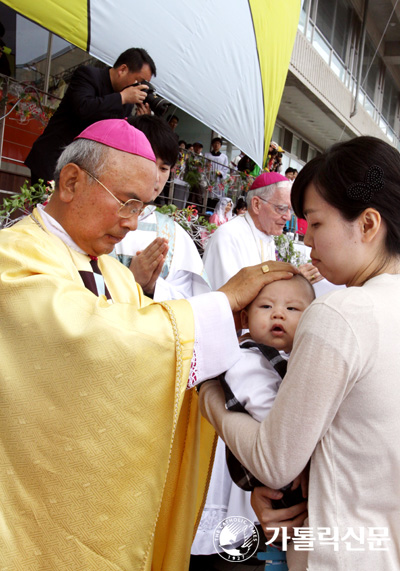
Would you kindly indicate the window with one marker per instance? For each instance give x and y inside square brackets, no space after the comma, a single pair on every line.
[277,134]
[312,153]
[296,146]
[308,8]
[326,18]
[322,46]
[390,98]
[304,151]
[370,69]
[341,32]
[287,141]
[28,43]
[333,21]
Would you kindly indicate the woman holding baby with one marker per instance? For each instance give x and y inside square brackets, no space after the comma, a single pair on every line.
[339,403]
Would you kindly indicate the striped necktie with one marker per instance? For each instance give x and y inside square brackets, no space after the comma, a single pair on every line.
[94,281]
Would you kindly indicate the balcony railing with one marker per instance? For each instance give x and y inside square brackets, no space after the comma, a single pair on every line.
[195,181]
[325,50]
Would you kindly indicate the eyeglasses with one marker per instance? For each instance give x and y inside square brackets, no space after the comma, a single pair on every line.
[279,208]
[126,209]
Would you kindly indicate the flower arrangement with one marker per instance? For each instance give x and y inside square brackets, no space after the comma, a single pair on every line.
[25,201]
[194,176]
[286,252]
[179,168]
[198,227]
[28,108]
[197,171]
[236,184]
[26,103]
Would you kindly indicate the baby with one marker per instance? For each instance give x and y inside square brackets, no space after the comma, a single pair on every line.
[251,384]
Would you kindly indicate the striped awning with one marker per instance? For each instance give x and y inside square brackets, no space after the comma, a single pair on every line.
[224,62]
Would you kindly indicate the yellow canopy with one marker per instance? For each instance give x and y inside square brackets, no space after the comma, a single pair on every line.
[225,63]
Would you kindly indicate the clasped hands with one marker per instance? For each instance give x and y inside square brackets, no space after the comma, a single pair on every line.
[146,266]
[271,518]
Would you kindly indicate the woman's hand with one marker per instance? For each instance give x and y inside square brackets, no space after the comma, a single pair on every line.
[269,518]
[311,273]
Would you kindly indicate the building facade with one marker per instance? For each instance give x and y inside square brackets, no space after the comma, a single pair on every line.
[343,79]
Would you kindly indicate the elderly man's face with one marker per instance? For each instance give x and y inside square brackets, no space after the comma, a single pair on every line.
[92,214]
[266,217]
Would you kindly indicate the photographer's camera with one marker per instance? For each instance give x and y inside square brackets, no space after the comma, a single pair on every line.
[157,104]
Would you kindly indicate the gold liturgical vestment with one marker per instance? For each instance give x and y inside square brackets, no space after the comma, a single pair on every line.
[100,441]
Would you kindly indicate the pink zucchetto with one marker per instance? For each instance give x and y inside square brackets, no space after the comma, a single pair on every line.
[267,178]
[119,135]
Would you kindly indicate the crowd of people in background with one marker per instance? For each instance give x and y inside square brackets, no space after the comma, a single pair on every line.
[205,173]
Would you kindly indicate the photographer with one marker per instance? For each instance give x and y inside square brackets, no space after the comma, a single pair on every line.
[93,94]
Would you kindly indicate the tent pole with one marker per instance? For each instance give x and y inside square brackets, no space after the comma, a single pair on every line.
[3,109]
[48,67]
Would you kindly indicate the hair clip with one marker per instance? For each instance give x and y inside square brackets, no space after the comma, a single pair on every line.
[365,190]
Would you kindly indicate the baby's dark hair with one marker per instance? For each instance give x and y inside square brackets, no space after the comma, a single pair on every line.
[307,284]
[298,278]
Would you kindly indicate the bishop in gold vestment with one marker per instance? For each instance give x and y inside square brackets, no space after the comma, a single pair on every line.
[104,457]
[89,414]
[100,441]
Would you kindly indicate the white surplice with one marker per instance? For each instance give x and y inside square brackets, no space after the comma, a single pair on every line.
[235,245]
[183,273]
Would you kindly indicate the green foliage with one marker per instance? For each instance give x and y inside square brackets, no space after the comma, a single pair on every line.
[26,199]
[207,225]
[193,178]
[167,209]
[198,227]
[286,251]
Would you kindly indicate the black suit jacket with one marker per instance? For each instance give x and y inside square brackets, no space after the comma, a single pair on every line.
[89,98]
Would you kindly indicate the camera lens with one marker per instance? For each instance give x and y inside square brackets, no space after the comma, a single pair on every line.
[158,104]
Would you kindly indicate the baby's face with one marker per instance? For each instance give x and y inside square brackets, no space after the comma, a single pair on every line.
[273,316]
